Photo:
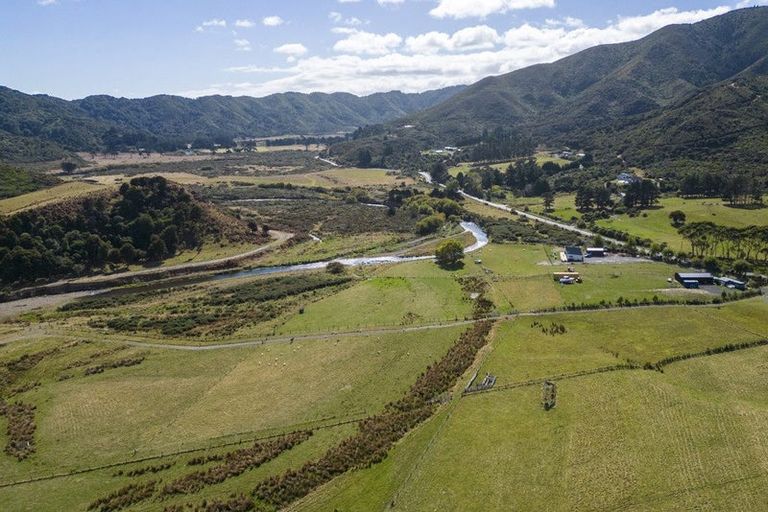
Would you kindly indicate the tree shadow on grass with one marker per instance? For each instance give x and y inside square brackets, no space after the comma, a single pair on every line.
[458,265]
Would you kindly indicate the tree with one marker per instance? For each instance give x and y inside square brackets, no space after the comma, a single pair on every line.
[157,249]
[549,201]
[170,237]
[364,158]
[439,172]
[677,217]
[584,198]
[449,253]
[128,253]
[741,267]
[68,167]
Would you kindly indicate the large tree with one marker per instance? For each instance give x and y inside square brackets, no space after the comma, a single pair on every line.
[449,253]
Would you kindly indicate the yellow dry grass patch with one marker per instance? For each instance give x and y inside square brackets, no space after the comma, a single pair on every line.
[48,195]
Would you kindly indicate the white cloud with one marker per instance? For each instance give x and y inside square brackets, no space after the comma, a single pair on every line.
[482,8]
[215,22]
[436,59]
[565,22]
[242,45]
[348,1]
[360,42]
[291,49]
[339,19]
[481,37]
[272,21]
[46,3]
[244,23]
[390,2]
[212,23]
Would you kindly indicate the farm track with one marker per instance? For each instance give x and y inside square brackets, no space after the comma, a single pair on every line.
[537,218]
[329,335]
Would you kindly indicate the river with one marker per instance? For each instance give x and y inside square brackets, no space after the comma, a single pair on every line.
[481,240]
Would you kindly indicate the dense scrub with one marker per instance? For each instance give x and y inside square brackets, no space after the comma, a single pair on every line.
[20,431]
[120,363]
[377,434]
[235,463]
[334,217]
[124,497]
[14,182]
[148,220]
[218,311]
[508,230]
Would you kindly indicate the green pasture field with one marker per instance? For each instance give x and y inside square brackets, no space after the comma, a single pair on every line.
[384,300]
[78,491]
[520,278]
[655,223]
[178,400]
[690,438]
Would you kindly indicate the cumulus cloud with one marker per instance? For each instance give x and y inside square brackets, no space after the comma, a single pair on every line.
[46,3]
[481,37]
[481,8]
[242,45]
[360,42]
[291,49]
[272,21]
[437,59]
[244,23]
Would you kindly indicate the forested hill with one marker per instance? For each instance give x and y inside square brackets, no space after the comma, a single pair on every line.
[704,81]
[145,221]
[39,127]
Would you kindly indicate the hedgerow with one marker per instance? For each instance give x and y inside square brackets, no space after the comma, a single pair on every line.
[377,434]
[124,497]
[235,463]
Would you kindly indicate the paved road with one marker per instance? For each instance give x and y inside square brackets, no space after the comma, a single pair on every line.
[537,218]
[329,162]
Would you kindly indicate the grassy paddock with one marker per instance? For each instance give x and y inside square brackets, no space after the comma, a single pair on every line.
[692,437]
[48,195]
[166,403]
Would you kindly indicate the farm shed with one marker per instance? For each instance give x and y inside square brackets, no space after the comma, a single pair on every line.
[573,253]
[731,283]
[701,278]
[596,252]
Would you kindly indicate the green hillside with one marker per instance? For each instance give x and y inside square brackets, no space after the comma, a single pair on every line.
[683,92]
[39,127]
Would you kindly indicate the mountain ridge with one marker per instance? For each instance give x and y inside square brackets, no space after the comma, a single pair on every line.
[42,126]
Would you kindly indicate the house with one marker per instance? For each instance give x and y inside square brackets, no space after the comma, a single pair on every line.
[574,254]
[596,252]
[699,278]
[626,178]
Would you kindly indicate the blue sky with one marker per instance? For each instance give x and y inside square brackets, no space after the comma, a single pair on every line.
[137,48]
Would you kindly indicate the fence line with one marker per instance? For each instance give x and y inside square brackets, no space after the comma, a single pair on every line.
[81,471]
